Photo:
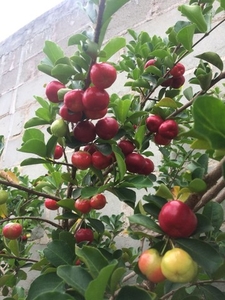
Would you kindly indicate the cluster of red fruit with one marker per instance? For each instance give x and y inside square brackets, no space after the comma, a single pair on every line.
[177,220]
[175,78]
[164,130]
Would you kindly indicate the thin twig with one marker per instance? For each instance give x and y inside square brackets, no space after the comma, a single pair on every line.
[31,218]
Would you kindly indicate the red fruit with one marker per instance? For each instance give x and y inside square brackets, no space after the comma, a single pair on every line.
[98,201]
[73,100]
[177,82]
[90,148]
[83,205]
[149,264]
[51,204]
[95,99]
[95,114]
[134,162]
[84,235]
[150,62]
[103,75]
[159,140]
[176,219]
[23,238]
[148,167]
[106,128]
[58,152]
[178,70]
[153,122]
[167,82]
[81,160]
[70,116]
[101,161]
[126,146]
[52,89]
[168,129]
[12,230]
[84,131]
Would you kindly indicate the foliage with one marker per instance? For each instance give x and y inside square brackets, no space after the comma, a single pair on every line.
[102,269]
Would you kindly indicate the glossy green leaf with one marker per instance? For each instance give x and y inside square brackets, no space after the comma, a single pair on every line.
[35,122]
[34,146]
[33,161]
[55,296]
[53,51]
[145,221]
[50,147]
[43,114]
[63,72]
[42,102]
[116,278]
[113,46]
[185,36]
[14,247]
[215,213]
[76,277]
[212,58]
[67,203]
[134,293]
[138,182]
[96,224]
[203,225]
[197,185]
[222,3]
[98,286]
[76,39]
[93,259]
[33,133]
[49,282]
[121,109]
[111,7]
[194,14]
[120,162]
[167,102]
[211,292]
[59,253]
[199,250]
[164,192]
[124,194]
[209,120]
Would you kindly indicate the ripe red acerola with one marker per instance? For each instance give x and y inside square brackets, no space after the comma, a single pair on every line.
[84,235]
[106,128]
[12,230]
[95,114]
[51,204]
[81,160]
[176,219]
[98,201]
[178,70]
[168,129]
[148,167]
[134,162]
[84,131]
[52,89]
[70,116]
[177,82]
[103,75]
[159,140]
[153,122]
[83,205]
[95,99]
[101,161]
[73,100]
[126,146]
[150,62]
[58,152]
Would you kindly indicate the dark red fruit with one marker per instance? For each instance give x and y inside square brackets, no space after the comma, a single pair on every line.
[52,89]
[83,205]
[101,161]
[178,70]
[81,160]
[84,131]
[134,162]
[51,204]
[126,146]
[153,122]
[103,75]
[95,99]
[177,82]
[159,140]
[106,128]
[148,167]
[98,201]
[168,129]
[84,235]
[58,152]
[177,220]
[73,100]
[95,114]
[70,116]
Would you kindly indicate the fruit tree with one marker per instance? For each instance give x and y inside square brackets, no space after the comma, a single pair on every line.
[93,143]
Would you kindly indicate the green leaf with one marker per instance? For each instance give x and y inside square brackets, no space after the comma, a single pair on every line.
[35,122]
[14,247]
[113,46]
[97,287]
[67,203]
[212,58]
[124,194]
[49,282]
[120,161]
[59,253]
[76,277]
[77,39]
[89,191]
[111,7]
[197,185]
[222,3]
[194,14]
[199,250]
[140,134]
[116,278]
[53,51]
[209,121]
[164,192]
[63,72]
[50,147]
[134,293]
[33,133]
[33,161]
[145,221]
[211,292]
[42,102]
[97,225]
[93,259]
[55,296]
[185,36]
[214,212]
[121,109]
[167,102]
[34,146]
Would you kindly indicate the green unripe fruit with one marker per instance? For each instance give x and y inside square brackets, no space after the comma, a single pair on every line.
[59,128]
[3,196]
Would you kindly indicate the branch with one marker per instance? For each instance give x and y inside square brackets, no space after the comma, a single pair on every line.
[31,218]
[18,258]
[28,190]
